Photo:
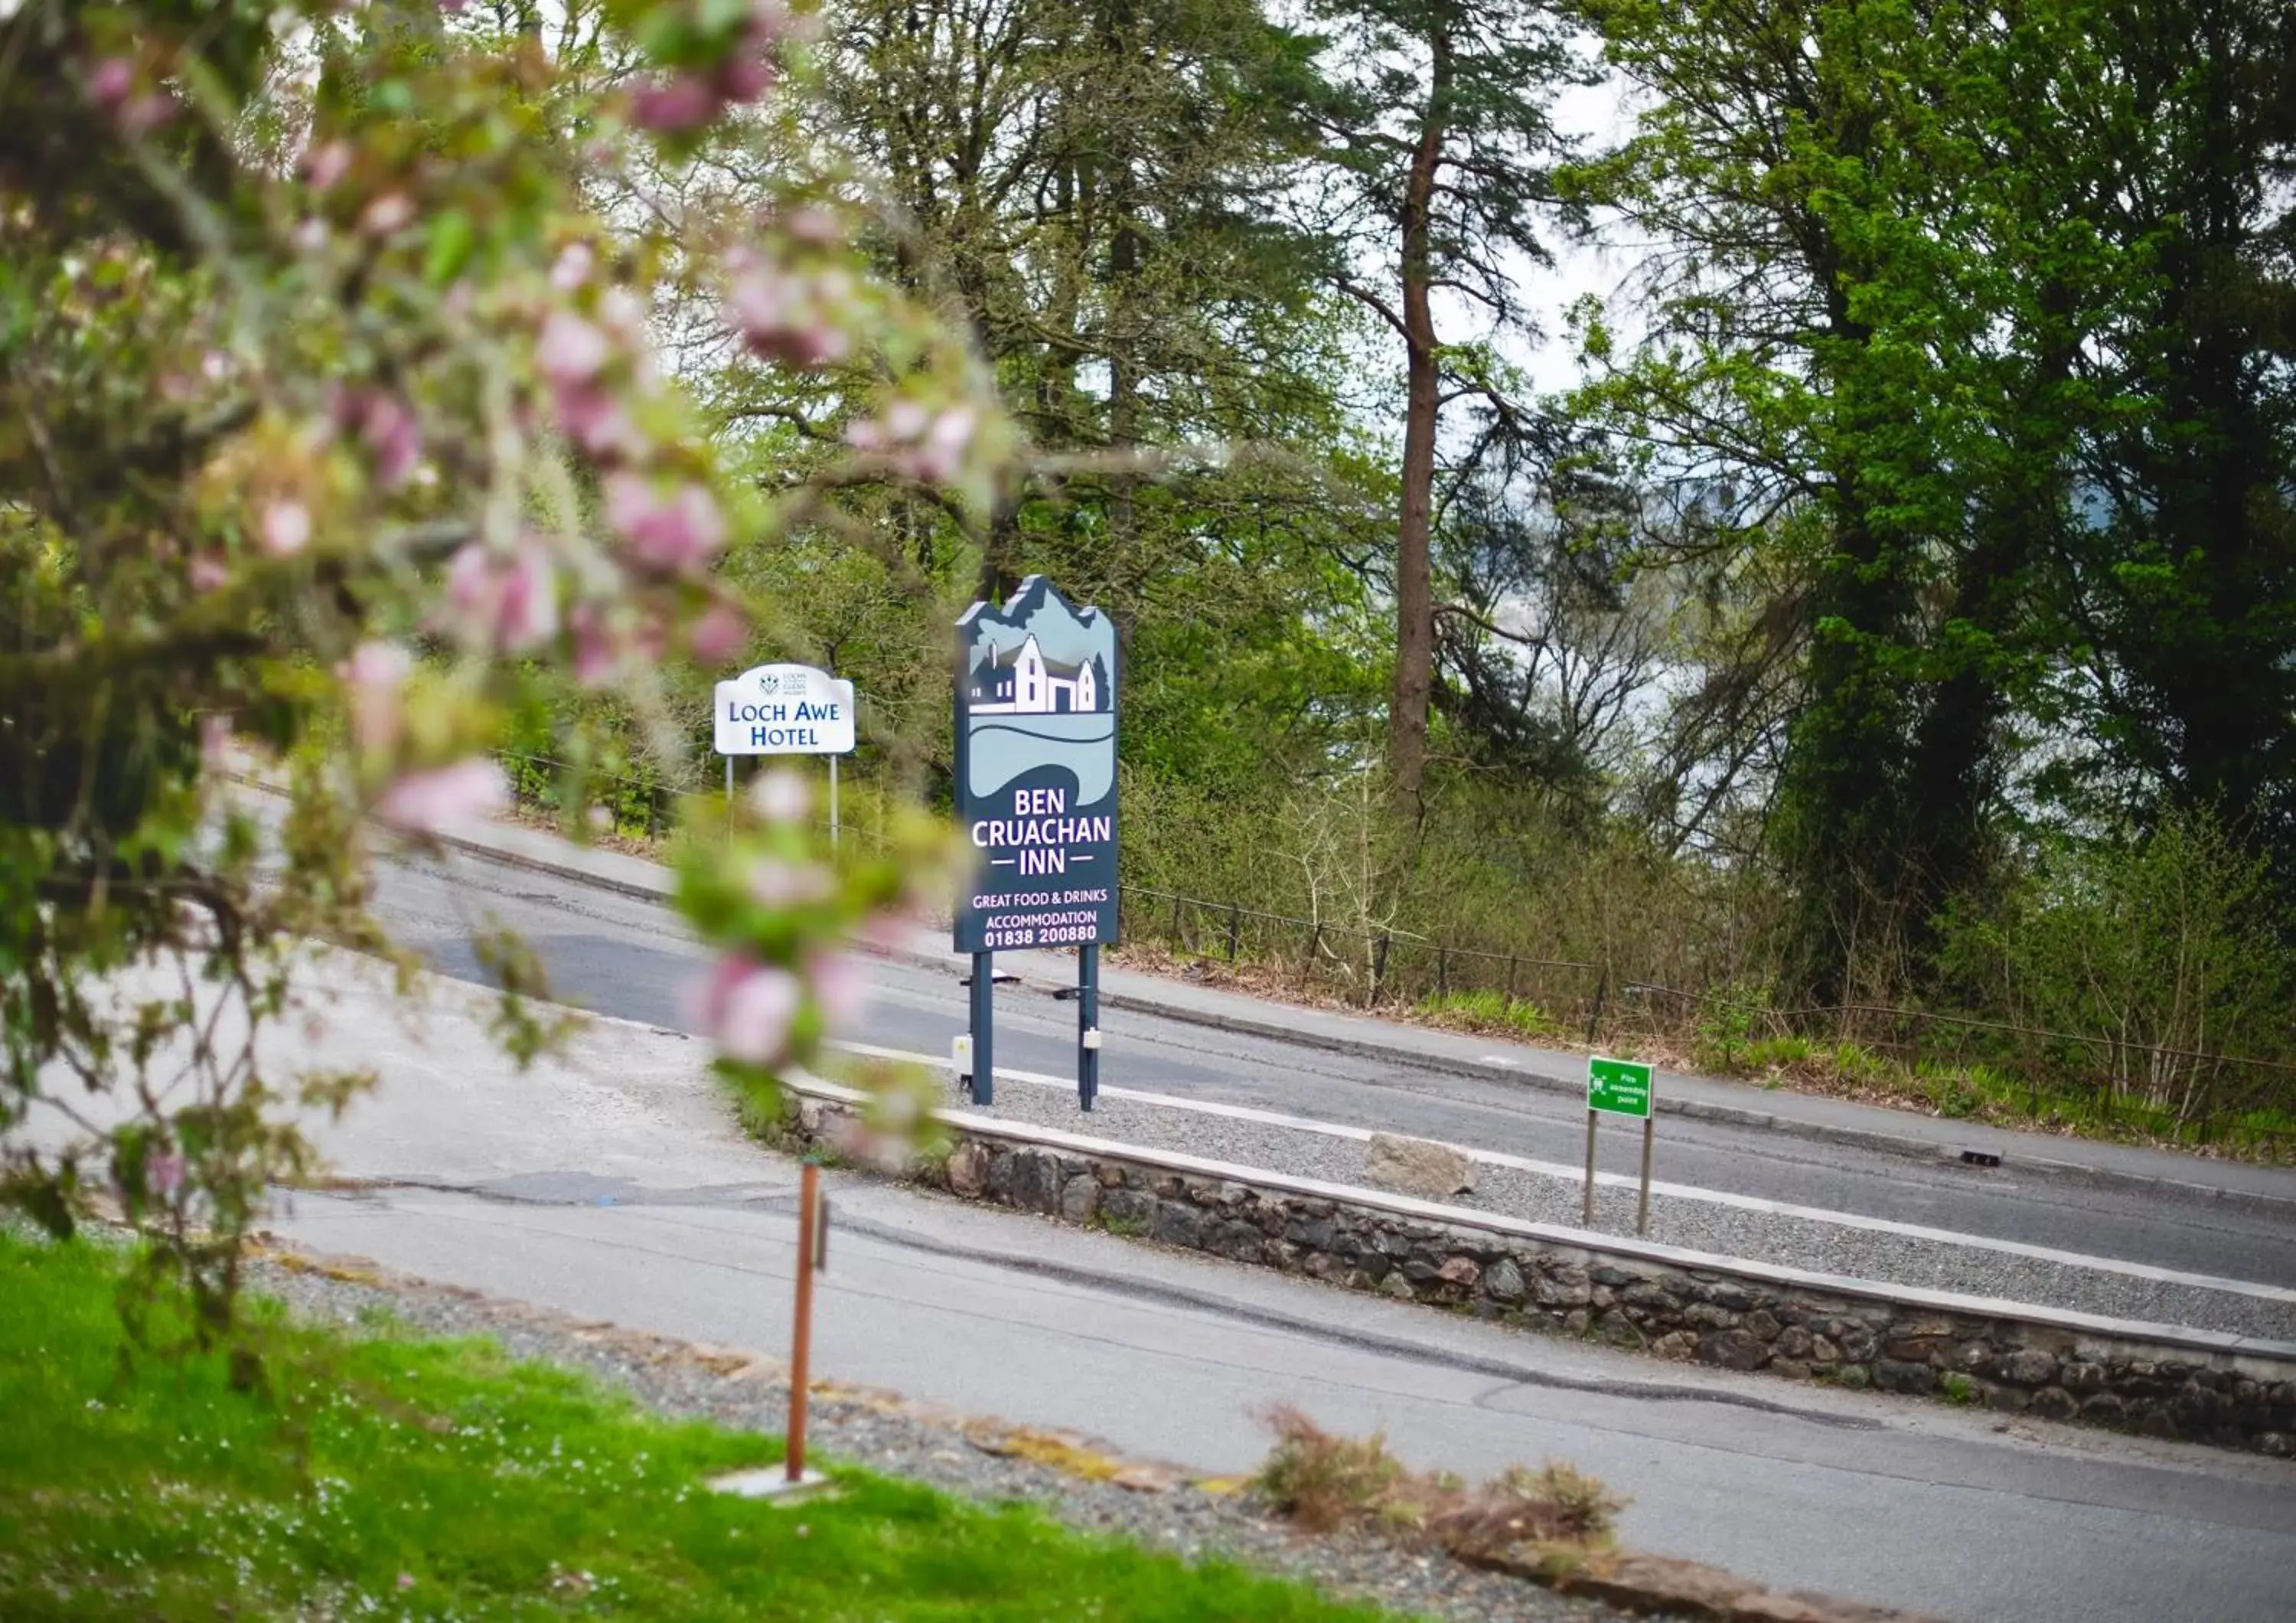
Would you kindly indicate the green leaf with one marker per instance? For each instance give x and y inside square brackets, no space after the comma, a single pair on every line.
[452,238]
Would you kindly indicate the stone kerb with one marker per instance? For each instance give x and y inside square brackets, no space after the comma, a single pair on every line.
[1734,1313]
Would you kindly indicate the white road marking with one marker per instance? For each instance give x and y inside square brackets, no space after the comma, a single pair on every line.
[1678,1192]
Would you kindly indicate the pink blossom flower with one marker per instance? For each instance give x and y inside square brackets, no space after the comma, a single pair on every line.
[215,742]
[790,317]
[310,235]
[569,351]
[623,313]
[744,75]
[207,570]
[906,420]
[676,105]
[424,802]
[394,438]
[112,81]
[775,884]
[286,528]
[572,267]
[720,633]
[812,223]
[781,796]
[376,673]
[747,1009]
[675,531]
[509,603]
[941,455]
[145,113]
[597,650]
[886,931]
[325,165]
[596,420]
[840,986]
[388,215]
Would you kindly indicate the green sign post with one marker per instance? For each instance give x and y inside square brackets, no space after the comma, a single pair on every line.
[1619,1087]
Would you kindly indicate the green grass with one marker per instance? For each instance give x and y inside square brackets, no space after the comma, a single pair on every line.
[1492,1011]
[401,1478]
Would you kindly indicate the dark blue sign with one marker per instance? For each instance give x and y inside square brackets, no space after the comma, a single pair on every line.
[1036,772]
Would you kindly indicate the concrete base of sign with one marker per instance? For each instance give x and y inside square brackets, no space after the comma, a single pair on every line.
[772,1483]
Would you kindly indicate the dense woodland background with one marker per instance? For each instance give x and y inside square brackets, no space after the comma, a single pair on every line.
[1889,642]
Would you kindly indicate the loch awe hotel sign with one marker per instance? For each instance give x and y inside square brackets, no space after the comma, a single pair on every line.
[1036,772]
[783,709]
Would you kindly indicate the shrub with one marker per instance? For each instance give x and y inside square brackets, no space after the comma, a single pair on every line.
[1320,1479]
[1325,1481]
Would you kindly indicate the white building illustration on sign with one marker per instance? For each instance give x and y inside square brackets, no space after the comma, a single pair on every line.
[1024,682]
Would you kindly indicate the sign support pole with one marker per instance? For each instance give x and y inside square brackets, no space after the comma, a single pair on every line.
[808,1220]
[729,791]
[1642,1207]
[832,803]
[1586,1213]
[984,1016]
[1087,1025]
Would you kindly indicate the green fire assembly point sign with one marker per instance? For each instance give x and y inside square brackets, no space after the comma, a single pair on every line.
[1618,1087]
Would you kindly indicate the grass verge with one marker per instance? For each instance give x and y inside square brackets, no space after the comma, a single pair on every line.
[385,1476]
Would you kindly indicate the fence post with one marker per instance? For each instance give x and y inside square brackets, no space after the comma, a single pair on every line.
[1234,926]
[1510,977]
[1442,972]
[1177,939]
[1595,1016]
[1379,964]
[1315,940]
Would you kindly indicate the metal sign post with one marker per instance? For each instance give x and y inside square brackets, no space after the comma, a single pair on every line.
[1619,1087]
[1087,1026]
[783,709]
[1035,793]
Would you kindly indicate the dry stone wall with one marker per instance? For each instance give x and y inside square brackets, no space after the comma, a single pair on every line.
[1716,1317]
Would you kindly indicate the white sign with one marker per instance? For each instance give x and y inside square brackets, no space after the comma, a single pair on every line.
[784,710]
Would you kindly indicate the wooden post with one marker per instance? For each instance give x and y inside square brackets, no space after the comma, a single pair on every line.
[801,1330]
[1234,928]
[1649,1134]
[1587,1216]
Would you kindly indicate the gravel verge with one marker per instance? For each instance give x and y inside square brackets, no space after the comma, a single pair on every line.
[1795,1242]
[1167,1510]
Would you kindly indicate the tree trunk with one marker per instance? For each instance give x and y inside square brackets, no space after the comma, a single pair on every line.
[1414,604]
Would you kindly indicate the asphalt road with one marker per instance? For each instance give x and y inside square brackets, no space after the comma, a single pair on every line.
[612,1183]
[630,958]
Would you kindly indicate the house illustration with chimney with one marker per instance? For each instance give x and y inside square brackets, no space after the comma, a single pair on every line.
[1021,681]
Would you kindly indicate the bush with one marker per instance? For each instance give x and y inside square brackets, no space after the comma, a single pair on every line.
[2151,948]
[1322,1481]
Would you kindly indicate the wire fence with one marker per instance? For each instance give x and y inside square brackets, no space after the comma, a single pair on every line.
[2170,1092]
